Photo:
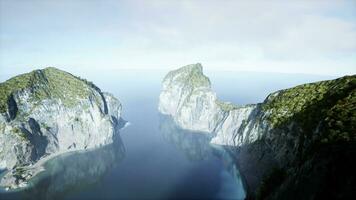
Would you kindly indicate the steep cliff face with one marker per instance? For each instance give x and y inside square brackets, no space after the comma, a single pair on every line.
[309,145]
[50,111]
[188,98]
[289,146]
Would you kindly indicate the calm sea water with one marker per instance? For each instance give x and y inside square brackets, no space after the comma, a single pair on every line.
[152,158]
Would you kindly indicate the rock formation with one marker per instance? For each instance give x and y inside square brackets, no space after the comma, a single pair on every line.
[70,172]
[48,112]
[297,144]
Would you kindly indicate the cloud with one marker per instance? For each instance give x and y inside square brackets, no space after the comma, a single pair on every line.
[299,36]
[286,36]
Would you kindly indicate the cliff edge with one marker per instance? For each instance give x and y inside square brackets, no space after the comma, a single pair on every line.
[47,112]
[297,144]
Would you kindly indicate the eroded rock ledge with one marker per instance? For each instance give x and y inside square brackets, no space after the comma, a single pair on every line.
[297,144]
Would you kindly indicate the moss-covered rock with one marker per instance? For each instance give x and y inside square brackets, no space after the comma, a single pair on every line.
[226,106]
[48,83]
[311,125]
[281,140]
[50,111]
[191,75]
[286,103]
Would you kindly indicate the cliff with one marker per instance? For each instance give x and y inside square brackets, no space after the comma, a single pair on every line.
[71,172]
[297,144]
[48,112]
[188,98]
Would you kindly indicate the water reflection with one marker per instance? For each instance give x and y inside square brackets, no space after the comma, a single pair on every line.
[197,147]
[72,172]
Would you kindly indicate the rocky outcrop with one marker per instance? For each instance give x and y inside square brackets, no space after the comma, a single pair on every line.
[70,172]
[48,112]
[290,146]
[188,98]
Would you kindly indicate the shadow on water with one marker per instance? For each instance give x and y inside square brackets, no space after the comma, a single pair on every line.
[199,171]
[197,148]
[72,172]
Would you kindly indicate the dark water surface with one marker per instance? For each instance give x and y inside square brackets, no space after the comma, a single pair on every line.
[152,158]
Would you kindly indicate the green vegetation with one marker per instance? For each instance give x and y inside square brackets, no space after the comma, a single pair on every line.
[2,128]
[319,120]
[330,105]
[226,106]
[45,126]
[191,75]
[12,85]
[290,101]
[341,120]
[18,132]
[49,83]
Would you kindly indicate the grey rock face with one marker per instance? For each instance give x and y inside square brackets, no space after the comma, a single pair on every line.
[68,173]
[55,112]
[297,144]
[188,98]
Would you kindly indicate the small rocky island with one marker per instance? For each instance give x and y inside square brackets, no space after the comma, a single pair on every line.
[48,112]
[300,143]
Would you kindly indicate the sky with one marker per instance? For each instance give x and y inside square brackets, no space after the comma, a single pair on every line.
[305,36]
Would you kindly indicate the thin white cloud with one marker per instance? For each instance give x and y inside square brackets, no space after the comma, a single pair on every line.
[285,36]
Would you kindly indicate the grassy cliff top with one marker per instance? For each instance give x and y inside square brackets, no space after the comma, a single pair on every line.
[331,104]
[45,84]
[191,75]
[226,106]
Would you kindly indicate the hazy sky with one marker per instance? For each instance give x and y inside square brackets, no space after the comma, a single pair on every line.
[311,36]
